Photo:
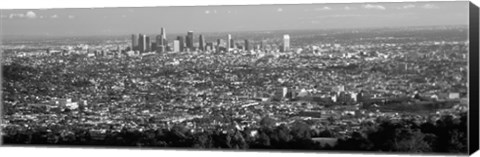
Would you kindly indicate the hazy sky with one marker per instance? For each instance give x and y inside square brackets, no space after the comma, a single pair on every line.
[118,21]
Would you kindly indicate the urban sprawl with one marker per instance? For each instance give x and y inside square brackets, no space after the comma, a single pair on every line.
[334,85]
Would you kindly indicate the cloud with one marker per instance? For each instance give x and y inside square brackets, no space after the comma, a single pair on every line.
[348,8]
[338,16]
[31,15]
[371,6]
[28,14]
[407,6]
[347,16]
[323,8]
[71,16]
[11,16]
[54,16]
[430,6]
[279,10]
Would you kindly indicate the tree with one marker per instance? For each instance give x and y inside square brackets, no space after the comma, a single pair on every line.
[300,130]
[264,140]
[408,140]
[202,140]
[451,134]
[326,133]
[357,142]
[267,122]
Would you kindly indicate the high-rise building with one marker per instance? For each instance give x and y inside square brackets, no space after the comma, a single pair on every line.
[236,45]
[142,43]
[181,43]
[161,41]
[189,40]
[134,42]
[153,46]
[148,44]
[246,45]
[158,43]
[286,43]
[262,45]
[220,45]
[201,43]
[176,46]
[229,42]
[164,37]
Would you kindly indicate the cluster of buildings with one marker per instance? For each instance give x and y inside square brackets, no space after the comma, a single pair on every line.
[143,44]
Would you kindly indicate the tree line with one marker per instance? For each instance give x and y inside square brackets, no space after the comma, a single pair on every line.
[446,135]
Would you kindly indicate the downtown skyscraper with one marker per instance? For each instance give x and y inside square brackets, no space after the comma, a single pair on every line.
[176,46]
[134,42]
[229,42]
[189,40]
[201,42]
[142,43]
[286,43]
[246,45]
[161,41]
[148,44]
[181,43]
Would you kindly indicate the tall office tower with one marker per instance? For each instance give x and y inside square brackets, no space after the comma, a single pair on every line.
[220,45]
[236,45]
[189,40]
[148,44]
[262,45]
[164,36]
[161,41]
[286,43]
[142,43]
[246,45]
[185,48]
[219,41]
[181,43]
[201,43]
[134,42]
[159,44]
[140,40]
[176,46]
[229,42]
[153,46]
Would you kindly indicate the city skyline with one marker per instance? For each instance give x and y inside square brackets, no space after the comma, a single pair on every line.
[143,44]
[118,21]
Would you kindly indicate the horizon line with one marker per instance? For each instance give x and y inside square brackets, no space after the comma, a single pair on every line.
[5,36]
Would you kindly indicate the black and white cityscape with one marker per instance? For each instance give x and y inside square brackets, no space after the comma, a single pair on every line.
[320,85]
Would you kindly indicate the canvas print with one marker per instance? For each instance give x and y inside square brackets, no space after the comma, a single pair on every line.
[361,77]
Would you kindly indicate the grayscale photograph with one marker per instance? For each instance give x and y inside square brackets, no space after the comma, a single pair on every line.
[333,77]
